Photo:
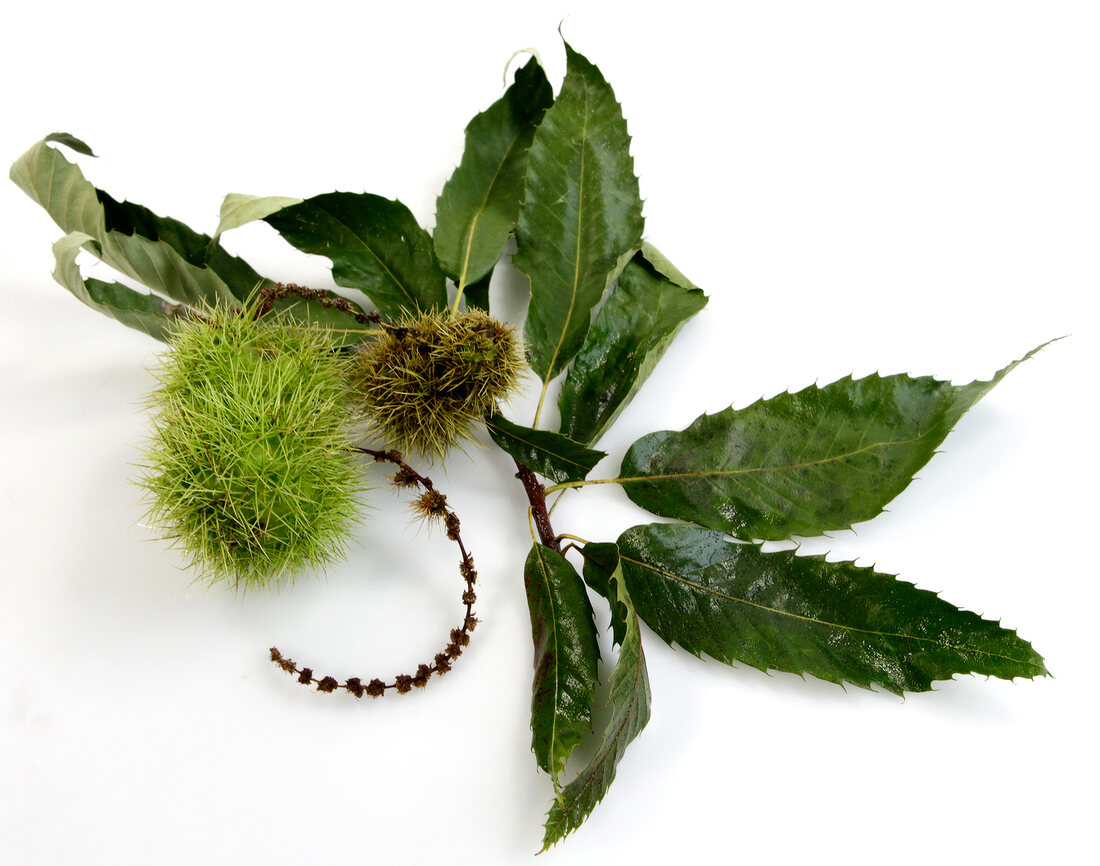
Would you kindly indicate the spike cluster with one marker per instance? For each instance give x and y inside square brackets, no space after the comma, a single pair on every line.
[430,377]
[431,505]
[249,470]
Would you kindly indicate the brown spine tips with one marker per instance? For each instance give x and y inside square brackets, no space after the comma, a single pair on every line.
[430,503]
[405,477]
[306,676]
[328,684]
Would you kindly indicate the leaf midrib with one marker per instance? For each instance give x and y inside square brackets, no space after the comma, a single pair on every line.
[550,760]
[821,622]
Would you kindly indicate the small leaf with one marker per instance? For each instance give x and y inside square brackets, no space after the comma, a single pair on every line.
[641,317]
[239,209]
[479,205]
[629,702]
[147,313]
[375,245]
[566,657]
[159,252]
[477,294]
[800,464]
[582,215]
[549,454]
[803,615]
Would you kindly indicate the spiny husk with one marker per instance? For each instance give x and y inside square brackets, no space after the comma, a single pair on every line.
[248,469]
[426,381]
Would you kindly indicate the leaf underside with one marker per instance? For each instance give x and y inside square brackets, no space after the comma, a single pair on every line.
[581,217]
[800,464]
[479,205]
[566,657]
[643,314]
[375,245]
[549,454]
[629,702]
[159,252]
[804,615]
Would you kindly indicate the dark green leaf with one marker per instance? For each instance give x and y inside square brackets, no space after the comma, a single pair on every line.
[803,615]
[566,657]
[800,464]
[600,563]
[477,210]
[375,245]
[581,215]
[147,313]
[477,294]
[549,454]
[642,315]
[629,702]
[159,252]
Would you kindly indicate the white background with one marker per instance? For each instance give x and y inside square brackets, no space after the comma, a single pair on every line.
[858,186]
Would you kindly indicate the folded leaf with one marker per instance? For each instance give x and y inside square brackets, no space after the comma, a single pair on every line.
[147,313]
[159,252]
[566,657]
[581,214]
[629,702]
[803,615]
[800,464]
[479,205]
[375,245]
[641,317]
[239,209]
[549,454]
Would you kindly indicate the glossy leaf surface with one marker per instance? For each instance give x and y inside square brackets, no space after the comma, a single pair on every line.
[804,615]
[375,245]
[628,701]
[479,205]
[159,252]
[549,454]
[641,317]
[566,657]
[581,215]
[800,464]
[147,313]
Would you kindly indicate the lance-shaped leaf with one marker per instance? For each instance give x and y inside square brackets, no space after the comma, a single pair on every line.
[549,454]
[159,252]
[804,615]
[642,315]
[239,209]
[149,314]
[566,657]
[479,205]
[581,215]
[375,245]
[629,702]
[800,464]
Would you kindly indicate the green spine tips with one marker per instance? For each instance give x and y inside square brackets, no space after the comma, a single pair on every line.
[248,469]
[431,377]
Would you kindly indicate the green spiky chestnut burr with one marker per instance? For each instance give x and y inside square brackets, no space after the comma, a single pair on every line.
[428,379]
[248,469]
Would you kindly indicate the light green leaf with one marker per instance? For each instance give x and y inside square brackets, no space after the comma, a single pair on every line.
[804,615]
[159,252]
[642,316]
[629,702]
[566,657]
[549,454]
[150,314]
[375,245]
[800,464]
[582,215]
[479,205]
[238,209]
